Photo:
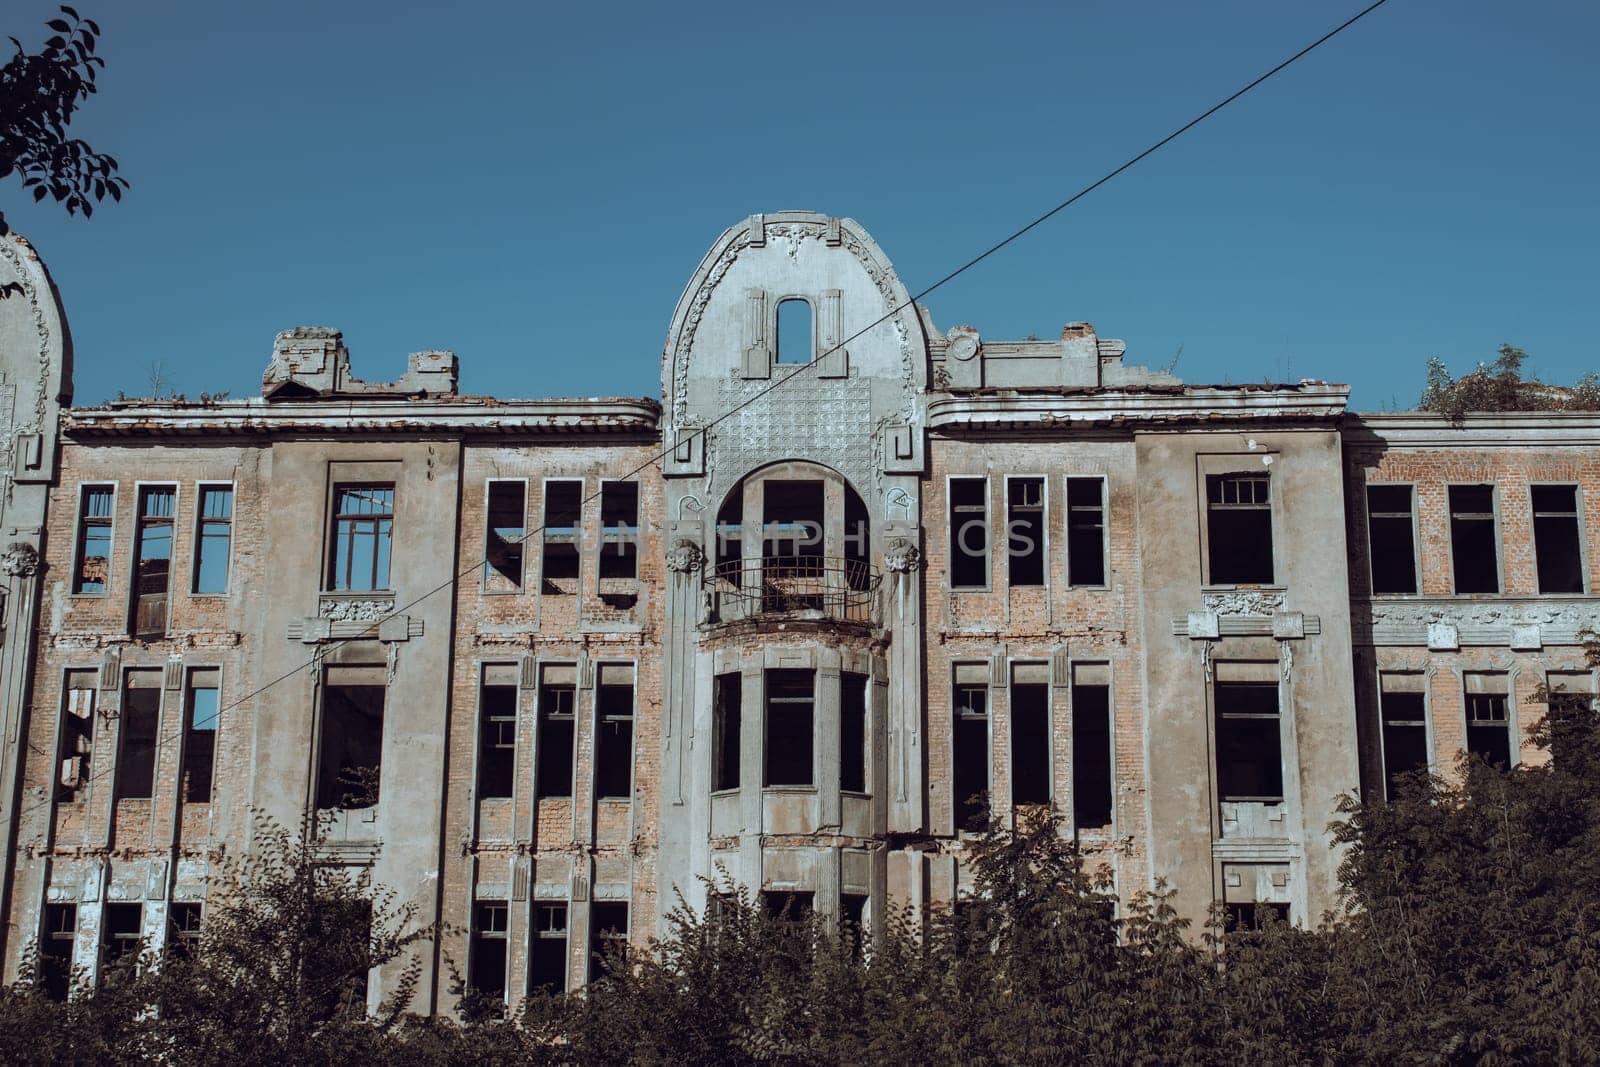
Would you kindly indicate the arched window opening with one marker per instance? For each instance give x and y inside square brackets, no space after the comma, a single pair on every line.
[794,332]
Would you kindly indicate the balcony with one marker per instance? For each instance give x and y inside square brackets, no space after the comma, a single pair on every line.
[793,587]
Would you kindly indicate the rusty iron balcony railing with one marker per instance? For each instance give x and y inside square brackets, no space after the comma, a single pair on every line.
[828,587]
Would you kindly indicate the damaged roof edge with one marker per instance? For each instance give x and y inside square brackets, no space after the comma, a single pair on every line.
[1022,408]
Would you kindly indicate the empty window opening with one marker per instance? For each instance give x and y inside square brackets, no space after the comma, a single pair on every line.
[1091,745]
[1086,532]
[613,771]
[152,561]
[725,724]
[1025,530]
[547,970]
[1403,707]
[507,509]
[340,930]
[1249,740]
[608,936]
[563,517]
[363,533]
[77,735]
[853,732]
[124,933]
[497,731]
[619,526]
[488,969]
[350,751]
[792,517]
[795,339]
[91,571]
[790,720]
[137,729]
[857,540]
[1473,546]
[853,918]
[213,539]
[1489,718]
[202,708]
[788,908]
[183,929]
[1030,734]
[730,537]
[1556,539]
[969,533]
[1571,712]
[55,949]
[1392,538]
[971,743]
[558,702]
[1248,917]
[1239,528]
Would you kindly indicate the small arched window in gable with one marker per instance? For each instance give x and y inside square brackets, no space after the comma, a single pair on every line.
[794,332]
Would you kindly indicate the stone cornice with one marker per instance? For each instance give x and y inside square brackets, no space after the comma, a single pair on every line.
[1046,411]
[1422,429]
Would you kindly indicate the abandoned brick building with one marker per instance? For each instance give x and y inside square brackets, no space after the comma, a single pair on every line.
[547,665]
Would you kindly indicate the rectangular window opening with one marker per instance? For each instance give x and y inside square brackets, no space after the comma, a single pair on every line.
[1557,543]
[488,951]
[547,970]
[56,948]
[1489,717]
[971,743]
[201,710]
[1239,528]
[183,929]
[1252,916]
[91,570]
[1025,530]
[853,732]
[969,533]
[558,701]
[152,562]
[725,726]
[1473,547]
[124,932]
[608,936]
[213,539]
[1091,746]
[351,747]
[789,908]
[619,525]
[1391,537]
[1571,711]
[363,534]
[137,730]
[730,539]
[1086,527]
[563,520]
[1030,737]
[497,732]
[1249,741]
[795,340]
[614,728]
[790,728]
[507,509]
[1403,708]
[77,735]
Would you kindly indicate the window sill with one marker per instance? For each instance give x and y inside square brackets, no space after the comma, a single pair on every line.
[797,789]
[731,791]
[1244,587]
[208,596]
[613,800]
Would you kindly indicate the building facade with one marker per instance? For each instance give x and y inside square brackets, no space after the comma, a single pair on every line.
[548,667]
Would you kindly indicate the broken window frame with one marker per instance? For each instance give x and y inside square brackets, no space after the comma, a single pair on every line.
[137,749]
[350,787]
[619,540]
[1561,692]
[1225,717]
[117,940]
[185,920]
[1093,747]
[1479,520]
[1089,522]
[1021,508]
[58,941]
[1219,486]
[1246,917]
[855,732]
[1402,684]
[550,925]
[615,710]
[96,526]
[200,741]
[155,529]
[1579,557]
[491,923]
[561,553]
[505,547]
[606,935]
[80,692]
[789,741]
[959,533]
[369,522]
[496,772]
[213,535]
[967,681]
[727,714]
[1486,699]
[781,330]
[1390,518]
[1031,749]
[556,718]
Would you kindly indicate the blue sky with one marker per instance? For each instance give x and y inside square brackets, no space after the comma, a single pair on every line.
[532,185]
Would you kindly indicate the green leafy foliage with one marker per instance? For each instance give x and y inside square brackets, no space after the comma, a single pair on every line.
[1502,386]
[39,94]
[1467,932]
